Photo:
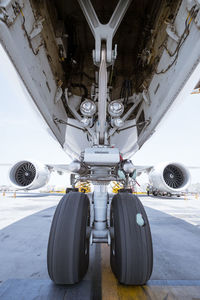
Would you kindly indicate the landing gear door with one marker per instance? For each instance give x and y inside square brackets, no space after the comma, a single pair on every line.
[23,34]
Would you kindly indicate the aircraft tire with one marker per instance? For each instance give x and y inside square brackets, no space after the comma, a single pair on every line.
[131,255]
[68,246]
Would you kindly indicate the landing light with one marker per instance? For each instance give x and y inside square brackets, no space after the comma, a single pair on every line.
[116,108]
[88,108]
[85,122]
[117,122]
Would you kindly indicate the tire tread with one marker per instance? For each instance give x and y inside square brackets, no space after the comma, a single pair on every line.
[66,259]
[133,259]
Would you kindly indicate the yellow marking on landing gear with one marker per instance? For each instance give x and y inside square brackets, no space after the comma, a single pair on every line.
[116,186]
[84,187]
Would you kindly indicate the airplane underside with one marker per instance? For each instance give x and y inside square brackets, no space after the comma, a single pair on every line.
[103,75]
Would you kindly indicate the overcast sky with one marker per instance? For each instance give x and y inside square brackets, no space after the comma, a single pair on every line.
[24,135]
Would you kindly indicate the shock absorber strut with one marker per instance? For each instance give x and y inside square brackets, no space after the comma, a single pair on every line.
[102,99]
[100,233]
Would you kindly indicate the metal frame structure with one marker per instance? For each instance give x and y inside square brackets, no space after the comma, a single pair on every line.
[104,32]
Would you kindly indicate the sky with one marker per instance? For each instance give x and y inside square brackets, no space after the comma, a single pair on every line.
[24,135]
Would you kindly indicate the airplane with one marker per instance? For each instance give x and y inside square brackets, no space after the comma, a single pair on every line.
[102,74]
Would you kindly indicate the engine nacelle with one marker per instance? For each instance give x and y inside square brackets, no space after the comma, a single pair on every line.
[28,175]
[170,177]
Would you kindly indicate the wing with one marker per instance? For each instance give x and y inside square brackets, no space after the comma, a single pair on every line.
[142,169]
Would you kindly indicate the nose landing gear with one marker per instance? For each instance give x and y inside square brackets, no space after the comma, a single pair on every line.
[131,253]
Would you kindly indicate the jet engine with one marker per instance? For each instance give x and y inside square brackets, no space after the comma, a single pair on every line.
[28,175]
[170,177]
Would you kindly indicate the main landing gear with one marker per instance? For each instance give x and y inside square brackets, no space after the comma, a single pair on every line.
[131,254]
[79,220]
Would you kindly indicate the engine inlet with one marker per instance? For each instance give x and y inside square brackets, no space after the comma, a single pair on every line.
[173,176]
[25,174]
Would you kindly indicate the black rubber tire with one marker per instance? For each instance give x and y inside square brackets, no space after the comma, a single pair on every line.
[68,247]
[131,256]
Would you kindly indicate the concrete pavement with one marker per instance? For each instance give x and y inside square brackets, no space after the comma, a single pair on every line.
[25,222]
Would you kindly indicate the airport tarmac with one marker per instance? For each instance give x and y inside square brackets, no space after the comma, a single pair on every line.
[24,227]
